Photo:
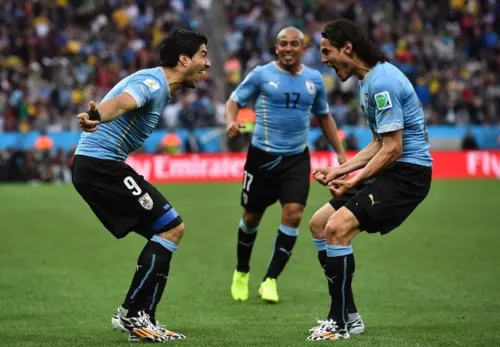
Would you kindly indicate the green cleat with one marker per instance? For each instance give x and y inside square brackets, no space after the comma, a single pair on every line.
[239,288]
[268,290]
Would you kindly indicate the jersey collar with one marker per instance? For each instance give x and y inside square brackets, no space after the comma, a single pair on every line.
[169,95]
[287,72]
[369,73]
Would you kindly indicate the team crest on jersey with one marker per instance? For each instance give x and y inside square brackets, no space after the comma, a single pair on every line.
[146,201]
[311,88]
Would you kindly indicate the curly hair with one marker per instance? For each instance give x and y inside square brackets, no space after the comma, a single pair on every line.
[180,41]
[339,31]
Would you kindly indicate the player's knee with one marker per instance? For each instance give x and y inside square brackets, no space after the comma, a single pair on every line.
[251,220]
[317,228]
[175,234]
[293,217]
[337,232]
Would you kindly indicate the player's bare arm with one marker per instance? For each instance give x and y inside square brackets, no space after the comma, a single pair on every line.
[391,150]
[106,112]
[329,129]
[324,175]
[233,127]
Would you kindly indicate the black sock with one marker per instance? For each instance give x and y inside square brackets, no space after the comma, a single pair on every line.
[322,260]
[152,269]
[339,270]
[282,251]
[246,239]
[350,304]
[153,301]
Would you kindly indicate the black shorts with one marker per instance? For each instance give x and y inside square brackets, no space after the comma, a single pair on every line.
[337,203]
[121,198]
[384,203]
[269,178]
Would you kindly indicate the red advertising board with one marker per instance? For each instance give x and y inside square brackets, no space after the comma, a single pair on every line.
[228,167]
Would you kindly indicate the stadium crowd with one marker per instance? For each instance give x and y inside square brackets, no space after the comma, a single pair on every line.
[57,55]
[448,48]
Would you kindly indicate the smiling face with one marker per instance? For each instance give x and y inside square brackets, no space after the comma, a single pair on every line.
[196,67]
[338,58]
[290,48]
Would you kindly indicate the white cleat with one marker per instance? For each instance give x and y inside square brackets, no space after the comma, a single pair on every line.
[327,330]
[139,325]
[170,334]
[356,326]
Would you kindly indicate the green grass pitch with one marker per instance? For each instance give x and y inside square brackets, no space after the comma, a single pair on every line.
[435,281]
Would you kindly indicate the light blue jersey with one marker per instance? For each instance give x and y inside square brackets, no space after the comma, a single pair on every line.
[390,103]
[117,139]
[284,106]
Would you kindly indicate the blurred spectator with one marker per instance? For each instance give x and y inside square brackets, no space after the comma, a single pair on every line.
[469,141]
[56,56]
[351,143]
[44,142]
[170,144]
[321,144]
[245,116]
[61,166]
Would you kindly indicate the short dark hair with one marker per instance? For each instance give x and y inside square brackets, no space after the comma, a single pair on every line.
[339,31]
[180,41]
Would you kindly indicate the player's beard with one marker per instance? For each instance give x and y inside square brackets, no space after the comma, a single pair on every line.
[195,78]
[343,70]
[291,63]
[191,81]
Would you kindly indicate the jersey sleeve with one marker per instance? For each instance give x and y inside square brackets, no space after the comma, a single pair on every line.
[387,96]
[320,105]
[143,88]
[248,89]
[371,125]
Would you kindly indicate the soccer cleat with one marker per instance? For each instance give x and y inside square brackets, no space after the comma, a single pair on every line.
[239,288]
[170,334]
[268,290]
[116,322]
[356,326]
[139,326]
[327,330]
[321,325]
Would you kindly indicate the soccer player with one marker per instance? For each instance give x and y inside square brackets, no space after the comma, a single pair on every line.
[121,198]
[396,165]
[278,164]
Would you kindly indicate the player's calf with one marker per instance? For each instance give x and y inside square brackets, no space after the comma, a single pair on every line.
[283,246]
[247,233]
